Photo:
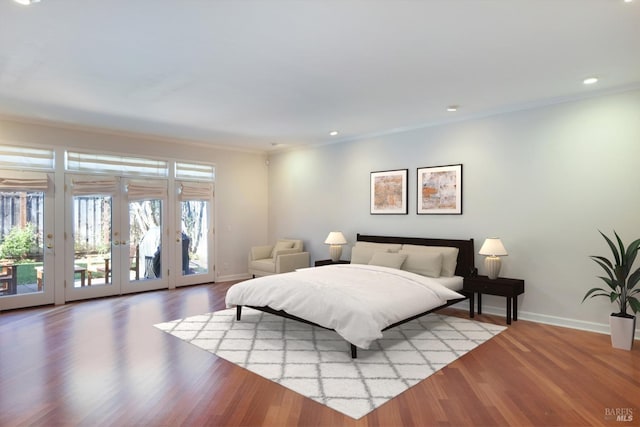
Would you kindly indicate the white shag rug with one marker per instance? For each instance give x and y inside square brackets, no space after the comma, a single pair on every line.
[317,363]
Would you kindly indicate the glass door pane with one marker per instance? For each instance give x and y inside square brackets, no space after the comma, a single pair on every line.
[193,242]
[21,242]
[92,231]
[92,237]
[26,243]
[194,237]
[90,269]
[145,239]
[143,252]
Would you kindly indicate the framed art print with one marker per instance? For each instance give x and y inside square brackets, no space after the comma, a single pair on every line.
[389,192]
[440,190]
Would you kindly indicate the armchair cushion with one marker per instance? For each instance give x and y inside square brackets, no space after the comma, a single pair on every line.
[280,246]
[261,252]
[286,255]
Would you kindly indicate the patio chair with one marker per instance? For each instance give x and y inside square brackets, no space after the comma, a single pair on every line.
[8,280]
[94,266]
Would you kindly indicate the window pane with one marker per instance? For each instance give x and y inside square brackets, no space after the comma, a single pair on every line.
[25,157]
[195,171]
[105,163]
[92,228]
[195,231]
[21,243]
[145,239]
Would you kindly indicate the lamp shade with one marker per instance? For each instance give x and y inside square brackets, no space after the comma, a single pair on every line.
[493,247]
[335,238]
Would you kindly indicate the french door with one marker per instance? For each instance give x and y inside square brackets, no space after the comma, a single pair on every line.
[194,233]
[102,229]
[115,236]
[26,239]
[144,253]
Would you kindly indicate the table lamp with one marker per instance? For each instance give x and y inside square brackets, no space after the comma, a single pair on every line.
[493,249]
[335,240]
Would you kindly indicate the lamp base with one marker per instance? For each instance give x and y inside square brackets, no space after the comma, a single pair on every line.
[335,252]
[492,264]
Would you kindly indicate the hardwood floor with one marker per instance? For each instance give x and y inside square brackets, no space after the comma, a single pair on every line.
[102,362]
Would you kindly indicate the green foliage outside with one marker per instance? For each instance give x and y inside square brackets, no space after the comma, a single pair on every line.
[27,273]
[17,245]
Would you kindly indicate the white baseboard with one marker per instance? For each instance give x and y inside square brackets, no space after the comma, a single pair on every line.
[602,328]
[233,277]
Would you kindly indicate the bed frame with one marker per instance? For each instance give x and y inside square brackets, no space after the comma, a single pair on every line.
[465,267]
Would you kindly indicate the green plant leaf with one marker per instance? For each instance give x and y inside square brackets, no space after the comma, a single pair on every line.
[614,250]
[633,279]
[619,280]
[620,246]
[18,242]
[632,252]
[614,296]
[602,260]
[634,304]
[605,264]
[611,283]
[621,274]
[591,291]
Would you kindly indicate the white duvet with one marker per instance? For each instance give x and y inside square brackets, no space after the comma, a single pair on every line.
[358,301]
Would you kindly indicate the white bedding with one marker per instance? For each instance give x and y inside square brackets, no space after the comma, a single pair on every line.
[356,300]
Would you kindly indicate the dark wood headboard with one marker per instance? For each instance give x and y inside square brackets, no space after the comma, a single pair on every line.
[466,254]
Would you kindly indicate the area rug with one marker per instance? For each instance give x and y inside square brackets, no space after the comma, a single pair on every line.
[317,363]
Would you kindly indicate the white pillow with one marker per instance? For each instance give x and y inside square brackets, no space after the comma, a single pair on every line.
[363,254]
[380,247]
[449,256]
[280,245]
[425,264]
[387,259]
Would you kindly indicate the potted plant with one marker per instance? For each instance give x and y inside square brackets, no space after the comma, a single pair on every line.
[621,282]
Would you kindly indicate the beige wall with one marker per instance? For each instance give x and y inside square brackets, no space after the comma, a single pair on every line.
[241,197]
[545,180]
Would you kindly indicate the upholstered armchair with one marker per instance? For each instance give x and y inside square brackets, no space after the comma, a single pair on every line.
[286,255]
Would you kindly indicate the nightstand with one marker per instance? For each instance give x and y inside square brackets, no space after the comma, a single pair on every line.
[329,262]
[509,288]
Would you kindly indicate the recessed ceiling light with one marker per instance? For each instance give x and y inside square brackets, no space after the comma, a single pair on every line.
[26,2]
[590,80]
[452,108]
[628,1]
[333,133]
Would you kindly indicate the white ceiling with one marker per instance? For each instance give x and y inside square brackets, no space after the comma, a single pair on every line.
[253,73]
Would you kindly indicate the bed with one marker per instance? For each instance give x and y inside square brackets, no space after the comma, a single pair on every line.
[372,294]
